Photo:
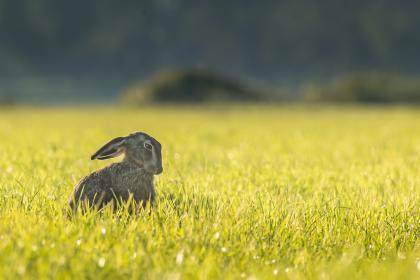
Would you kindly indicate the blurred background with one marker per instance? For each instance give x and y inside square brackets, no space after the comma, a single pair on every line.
[153,51]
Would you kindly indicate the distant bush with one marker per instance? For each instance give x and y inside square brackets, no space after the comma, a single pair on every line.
[191,86]
[7,101]
[367,88]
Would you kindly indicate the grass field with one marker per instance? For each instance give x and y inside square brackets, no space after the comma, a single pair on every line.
[248,192]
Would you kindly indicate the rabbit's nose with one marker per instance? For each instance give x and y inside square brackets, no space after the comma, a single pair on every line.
[159,170]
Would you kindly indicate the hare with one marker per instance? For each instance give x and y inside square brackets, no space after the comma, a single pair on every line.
[119,182]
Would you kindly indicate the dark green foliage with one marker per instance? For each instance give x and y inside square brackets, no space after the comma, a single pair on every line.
[83,51]
[193,86]
[259,38]
[368,88]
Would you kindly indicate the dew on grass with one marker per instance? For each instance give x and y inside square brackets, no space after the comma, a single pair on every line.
[401,256]
[21,269]
[101,262]
[217,235]
[324,275]
[180,257]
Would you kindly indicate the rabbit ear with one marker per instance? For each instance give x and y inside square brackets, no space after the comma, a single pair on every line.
[111,149]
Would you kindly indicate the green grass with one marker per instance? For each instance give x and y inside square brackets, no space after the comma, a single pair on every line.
[254,192]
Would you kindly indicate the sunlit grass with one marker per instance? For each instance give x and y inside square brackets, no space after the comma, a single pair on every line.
[261,192]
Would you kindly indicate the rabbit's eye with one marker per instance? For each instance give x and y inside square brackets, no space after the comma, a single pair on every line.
[148,146]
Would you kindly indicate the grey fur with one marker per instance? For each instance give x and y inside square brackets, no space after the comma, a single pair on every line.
[133,177]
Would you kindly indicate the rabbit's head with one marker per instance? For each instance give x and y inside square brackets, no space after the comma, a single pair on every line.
[139,148]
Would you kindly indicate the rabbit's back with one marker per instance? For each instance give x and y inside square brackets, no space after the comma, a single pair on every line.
[117,181]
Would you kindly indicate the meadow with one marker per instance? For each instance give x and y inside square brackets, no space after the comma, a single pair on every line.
[255,192]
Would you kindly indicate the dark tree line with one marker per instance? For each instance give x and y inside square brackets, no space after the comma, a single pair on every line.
[262,39]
